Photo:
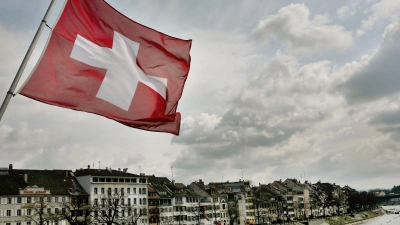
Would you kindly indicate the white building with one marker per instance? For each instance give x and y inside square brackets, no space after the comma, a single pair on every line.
[129,189]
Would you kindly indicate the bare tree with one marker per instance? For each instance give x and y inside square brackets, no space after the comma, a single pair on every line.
[233,211]
[77,211]
[36,211]
[108,211]
[137,213]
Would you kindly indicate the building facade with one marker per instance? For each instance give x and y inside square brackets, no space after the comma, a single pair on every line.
[29,197]
[115,195]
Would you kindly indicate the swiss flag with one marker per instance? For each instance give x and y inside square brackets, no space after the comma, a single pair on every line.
[99,61]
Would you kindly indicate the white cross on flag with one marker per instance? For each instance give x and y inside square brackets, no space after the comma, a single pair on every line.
[99,61]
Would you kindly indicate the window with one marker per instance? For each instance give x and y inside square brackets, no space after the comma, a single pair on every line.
[56,223]
[28,211]
[28,223]
[19,200]
[144,201]
[102,191]
[56,210]
[115,190]
[143,190]
[96,214]
[8,212]
[55,199]
[63,211]
[9,200]
[48,210]
[128,190]
[95,191]
[63,199]
[134,201]
[134,190]
[109,191]
[96,201]
[122,201]
[8,223]
[95,179]
[48,199]
[140,201]
[129,202]
[122,191]
[140,191]
[18,212]
[18,223]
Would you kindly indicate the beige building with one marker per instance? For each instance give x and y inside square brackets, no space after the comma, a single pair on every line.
[28,195]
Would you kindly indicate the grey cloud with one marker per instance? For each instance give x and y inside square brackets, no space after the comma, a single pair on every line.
[388,122]
[390,117]
[381,76]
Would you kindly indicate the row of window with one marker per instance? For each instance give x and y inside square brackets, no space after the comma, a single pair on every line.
[29,223]
[121,191]
[117,180]
[20,200]
[27,212]
[195,199]
[122,213]
[142,201]
[191,209]
[183,218]
[139,221]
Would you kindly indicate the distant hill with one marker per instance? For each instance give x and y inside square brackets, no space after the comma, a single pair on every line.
[395,189]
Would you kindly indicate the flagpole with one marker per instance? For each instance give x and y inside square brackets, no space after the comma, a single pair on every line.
[28,54]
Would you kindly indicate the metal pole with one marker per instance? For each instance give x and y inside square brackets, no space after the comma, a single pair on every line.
[28,54]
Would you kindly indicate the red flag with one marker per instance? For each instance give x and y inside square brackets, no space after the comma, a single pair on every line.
[99,61]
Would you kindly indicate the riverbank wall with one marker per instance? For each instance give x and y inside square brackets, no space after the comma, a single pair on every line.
[349,220]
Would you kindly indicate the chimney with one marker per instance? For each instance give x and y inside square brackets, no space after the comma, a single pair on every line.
[26,178]
[88,167]
[10,167]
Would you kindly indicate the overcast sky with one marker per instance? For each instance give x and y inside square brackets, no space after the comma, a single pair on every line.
[276,89]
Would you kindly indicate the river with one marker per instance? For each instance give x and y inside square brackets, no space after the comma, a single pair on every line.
[388,219]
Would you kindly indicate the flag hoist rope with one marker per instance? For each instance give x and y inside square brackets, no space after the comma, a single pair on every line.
[28,54]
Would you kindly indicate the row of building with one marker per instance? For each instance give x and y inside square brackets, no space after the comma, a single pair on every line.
[108,196]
